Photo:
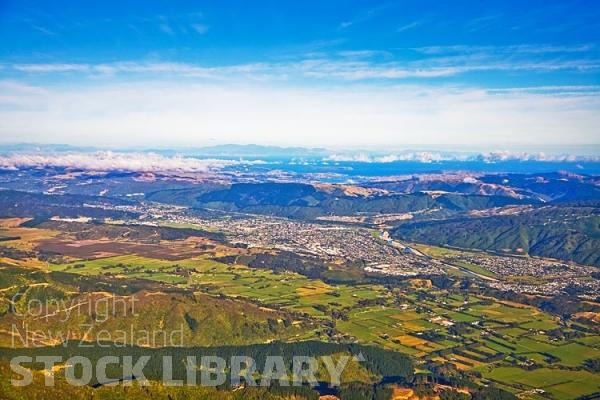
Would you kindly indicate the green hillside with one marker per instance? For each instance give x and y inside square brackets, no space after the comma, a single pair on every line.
[565,233]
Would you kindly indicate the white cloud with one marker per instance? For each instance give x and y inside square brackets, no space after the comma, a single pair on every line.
[166,28]
[505,155]
[113,161]
[432,156]
[409,26]
[147,68]
[50,68]
[364,53]
[352,66]
[150,112]
[201,29]
[43,29]
[364,16]
[510,49]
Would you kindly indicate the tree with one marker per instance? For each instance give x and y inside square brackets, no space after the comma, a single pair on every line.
[492,393]
[453,395]
[593,364]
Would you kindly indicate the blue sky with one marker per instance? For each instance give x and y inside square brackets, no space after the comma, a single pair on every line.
[353,73]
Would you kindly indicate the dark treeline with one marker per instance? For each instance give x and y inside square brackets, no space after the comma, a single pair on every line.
[310,267]
[377,361]
[143,233]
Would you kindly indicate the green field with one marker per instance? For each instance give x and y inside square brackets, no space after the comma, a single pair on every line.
[287,290]
[475,268]
[562,384]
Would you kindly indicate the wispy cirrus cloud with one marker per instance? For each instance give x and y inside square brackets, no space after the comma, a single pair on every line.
[409,26]
[364,53]
[173,25]
[364,16]
[564,90]
[427,62]
[51,68]
[169,24]
[348,65]
[484,22]
[46,31]
[166,28]
[201,29]
[116,68]
[542,48]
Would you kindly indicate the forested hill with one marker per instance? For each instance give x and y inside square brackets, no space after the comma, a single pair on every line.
[304,201]
[565,233]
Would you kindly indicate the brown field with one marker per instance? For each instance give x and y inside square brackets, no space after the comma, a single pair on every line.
[509,303]
[406,316]
[463,363]
[28,237]
[462,367]
[420,283]
[12,222]
[592,316]
[312,290]
[415,327]
[411,341]
[399,393]
[426,347]
[28,262]
[87,249]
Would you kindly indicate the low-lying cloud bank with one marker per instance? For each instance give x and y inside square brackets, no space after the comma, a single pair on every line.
[487,157]
[153,162]
[115,161]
